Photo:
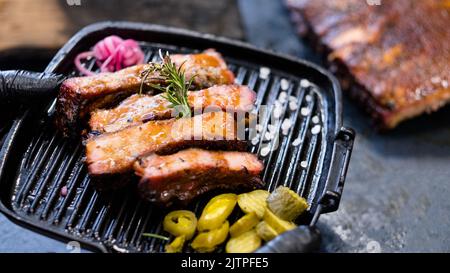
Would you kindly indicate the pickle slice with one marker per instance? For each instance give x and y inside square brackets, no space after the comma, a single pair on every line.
[265,231]
[244,224]
[286,204]
[254,201]
[247,242]
[278,224]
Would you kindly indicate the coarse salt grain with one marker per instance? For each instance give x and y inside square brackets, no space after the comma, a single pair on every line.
[305,111]
[278,108]
[292,98]
[271,128]
[284,84]
[286,125]
[444,84]
[258,127]
[282,96]
[296,142]
[265,150]
[255,140]
[293,105]
[277,112]
[308,98]
[316,129]
[264,72]
[275,142]
[303,164]
[305,83]
[268,136]
[315,119]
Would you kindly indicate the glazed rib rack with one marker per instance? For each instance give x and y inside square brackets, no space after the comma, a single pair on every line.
[52,192]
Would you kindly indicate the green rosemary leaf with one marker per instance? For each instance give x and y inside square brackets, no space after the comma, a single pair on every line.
[176,89]
[157,236]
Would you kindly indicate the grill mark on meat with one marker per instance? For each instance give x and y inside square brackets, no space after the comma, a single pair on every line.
[399,68]
[181,177]
[142,108]
[114,153]
[81,95]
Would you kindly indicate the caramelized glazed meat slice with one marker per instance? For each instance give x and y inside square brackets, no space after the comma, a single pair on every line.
[180,177]
[208,67]
[81,95]
[393,57]
[141,108]
[116,152]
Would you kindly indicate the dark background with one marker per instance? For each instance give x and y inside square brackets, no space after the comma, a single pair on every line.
[396,197]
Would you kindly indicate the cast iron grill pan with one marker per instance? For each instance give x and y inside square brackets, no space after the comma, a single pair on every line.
[37,162]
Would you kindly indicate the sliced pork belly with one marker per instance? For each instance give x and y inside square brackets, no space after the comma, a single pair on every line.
[180,177]
[116,152]
[141,108]
[81,95]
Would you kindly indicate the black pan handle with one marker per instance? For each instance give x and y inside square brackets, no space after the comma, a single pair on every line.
[28,87]
[303,239]
[340,159]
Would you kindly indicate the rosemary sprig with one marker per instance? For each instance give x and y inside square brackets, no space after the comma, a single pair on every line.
[157,236]
[175,85]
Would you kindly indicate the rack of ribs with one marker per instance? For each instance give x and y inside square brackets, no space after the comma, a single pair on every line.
[393,57]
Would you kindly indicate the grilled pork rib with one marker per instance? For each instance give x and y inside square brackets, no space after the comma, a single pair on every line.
[142,108]
[81,95]
[180,177]
[114,153]
[393,57]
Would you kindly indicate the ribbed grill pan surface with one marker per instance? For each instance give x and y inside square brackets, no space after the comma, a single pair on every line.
[37,162]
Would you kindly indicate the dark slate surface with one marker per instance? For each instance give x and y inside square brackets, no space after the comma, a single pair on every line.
[16,239]
[218,17]
[396,197]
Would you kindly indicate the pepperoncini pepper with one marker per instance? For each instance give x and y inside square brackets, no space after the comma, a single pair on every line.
[180,222]
[217,211]
[176,245]
[208,240]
